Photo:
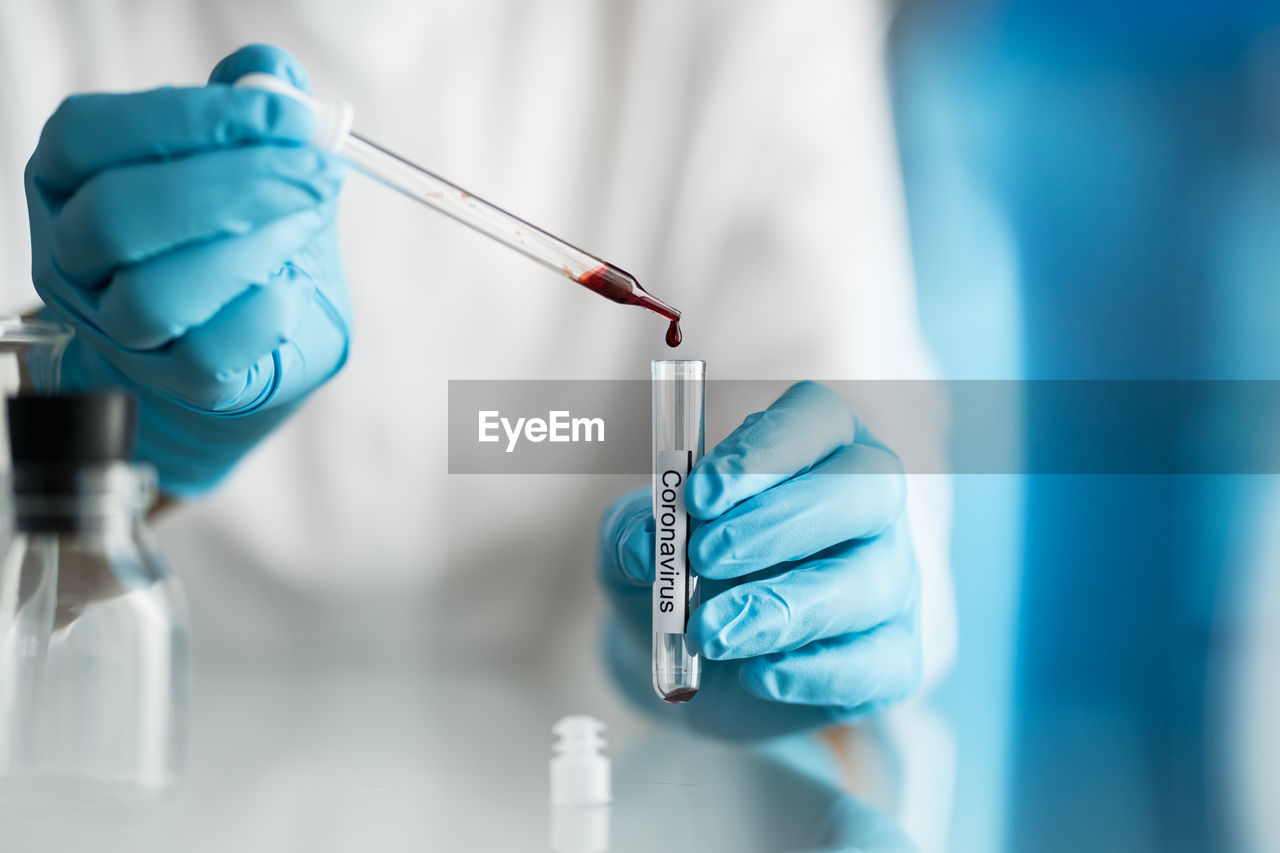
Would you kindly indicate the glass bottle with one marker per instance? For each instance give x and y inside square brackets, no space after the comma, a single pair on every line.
[92,623]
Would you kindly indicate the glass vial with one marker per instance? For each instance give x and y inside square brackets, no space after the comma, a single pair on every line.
[92,624]
[678,440]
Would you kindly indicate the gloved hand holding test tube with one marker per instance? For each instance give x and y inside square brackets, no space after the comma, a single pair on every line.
[804,610]
[333,133]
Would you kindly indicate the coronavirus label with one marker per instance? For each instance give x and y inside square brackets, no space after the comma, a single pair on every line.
[671,542]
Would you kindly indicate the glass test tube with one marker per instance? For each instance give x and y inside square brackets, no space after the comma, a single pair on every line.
[678,403]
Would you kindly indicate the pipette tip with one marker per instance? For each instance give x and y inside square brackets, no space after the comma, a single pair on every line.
[621,286]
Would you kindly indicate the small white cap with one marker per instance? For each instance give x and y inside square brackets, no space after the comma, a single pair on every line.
[333,118]
[580,773]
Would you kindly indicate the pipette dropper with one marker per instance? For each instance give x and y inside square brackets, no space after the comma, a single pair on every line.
[333,131]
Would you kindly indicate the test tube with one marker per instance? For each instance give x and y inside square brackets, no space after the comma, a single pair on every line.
[678,440]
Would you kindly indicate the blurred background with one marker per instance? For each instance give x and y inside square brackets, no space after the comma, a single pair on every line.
[1092,194]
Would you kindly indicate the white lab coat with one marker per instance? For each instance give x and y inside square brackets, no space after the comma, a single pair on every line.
[737,157]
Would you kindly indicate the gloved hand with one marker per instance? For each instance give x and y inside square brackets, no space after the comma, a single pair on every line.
[189,237]
[809,579]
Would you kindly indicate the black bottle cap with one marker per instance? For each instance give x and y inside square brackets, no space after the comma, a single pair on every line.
[72,431]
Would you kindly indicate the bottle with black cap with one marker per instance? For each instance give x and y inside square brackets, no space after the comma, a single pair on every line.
[92,623]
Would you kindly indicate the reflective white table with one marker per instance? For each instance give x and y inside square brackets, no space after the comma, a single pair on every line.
[398,756]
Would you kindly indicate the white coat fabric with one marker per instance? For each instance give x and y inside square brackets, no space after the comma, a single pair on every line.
[737,157]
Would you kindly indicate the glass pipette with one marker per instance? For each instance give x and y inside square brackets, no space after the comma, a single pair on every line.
[333,131]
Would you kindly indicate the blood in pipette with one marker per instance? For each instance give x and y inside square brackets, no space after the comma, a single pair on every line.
[620,286]
[611,283]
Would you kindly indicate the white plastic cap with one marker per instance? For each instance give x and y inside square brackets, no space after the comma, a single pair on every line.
[580,772]
[333,118]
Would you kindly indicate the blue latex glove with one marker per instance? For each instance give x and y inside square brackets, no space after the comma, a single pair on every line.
[810,583]
[189,237]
